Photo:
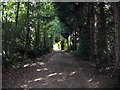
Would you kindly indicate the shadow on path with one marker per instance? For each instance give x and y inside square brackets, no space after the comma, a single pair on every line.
[59,70]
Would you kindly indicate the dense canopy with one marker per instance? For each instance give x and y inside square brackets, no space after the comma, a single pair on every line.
[91,30]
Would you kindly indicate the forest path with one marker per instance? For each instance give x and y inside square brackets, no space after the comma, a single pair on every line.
[58,70]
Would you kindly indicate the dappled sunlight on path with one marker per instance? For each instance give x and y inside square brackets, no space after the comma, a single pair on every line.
[61,70]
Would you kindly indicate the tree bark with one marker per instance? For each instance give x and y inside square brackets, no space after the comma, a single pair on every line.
[28,30]
[75,40]
[87,31]
[92,31]
[68,43]
[102,33]
[116,8]
[38,34]
[18,5]
[2,13]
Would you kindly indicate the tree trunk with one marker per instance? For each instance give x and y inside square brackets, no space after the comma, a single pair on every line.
[15,34]
[75,48]
[2,13]
[92,31]
[38,34]
[117,32]
[44,38]
[17,13]
[5,37]
[75,40]
[68,43]
[28,30]
[102,42]
[87,32]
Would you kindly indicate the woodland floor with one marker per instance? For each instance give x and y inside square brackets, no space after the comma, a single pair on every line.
[57,70]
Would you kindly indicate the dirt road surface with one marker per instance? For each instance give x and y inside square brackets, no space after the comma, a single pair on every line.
[58,70]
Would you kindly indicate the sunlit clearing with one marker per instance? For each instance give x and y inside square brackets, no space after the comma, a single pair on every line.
[55,47]
[72,73]
[38,79]
[26,65]
[53,74]
[39,70]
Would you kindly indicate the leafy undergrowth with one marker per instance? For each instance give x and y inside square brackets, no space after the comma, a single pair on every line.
[20,62]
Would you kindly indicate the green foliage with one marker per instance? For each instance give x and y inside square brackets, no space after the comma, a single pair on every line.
[49,23]
[42,19]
